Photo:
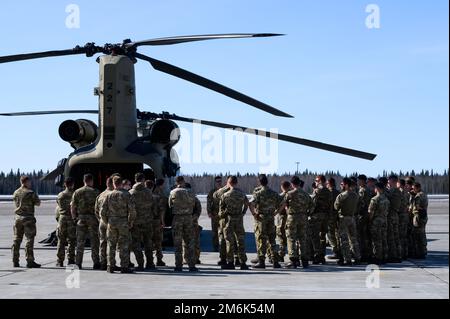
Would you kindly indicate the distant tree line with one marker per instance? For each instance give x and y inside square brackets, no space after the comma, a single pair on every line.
[432,182]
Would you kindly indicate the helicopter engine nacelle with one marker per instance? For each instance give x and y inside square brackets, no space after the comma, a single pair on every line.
[164,132]
[78,133]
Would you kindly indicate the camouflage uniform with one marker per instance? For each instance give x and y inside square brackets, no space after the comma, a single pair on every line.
[403,222]
[323,205]
[142,231]
[378,211]
[158,218]
[25,224]
[266,203]
[362,222]
[66,231]
[196,227]
[212,207]
[394,245]
[182,202]
[222,221]
[280,223]
[102,228]
[347,204]
[83,201]
[420,218]
[118,212]
[333,227]
[299,203]
[232,204]
[256,230]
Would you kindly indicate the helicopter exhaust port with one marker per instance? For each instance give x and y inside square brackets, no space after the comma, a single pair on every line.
[165,132]
[78,133]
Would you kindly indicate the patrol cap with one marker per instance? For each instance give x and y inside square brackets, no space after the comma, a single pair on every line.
[393,177]
[362,177]
[188,185]
[383,180]
[379,185]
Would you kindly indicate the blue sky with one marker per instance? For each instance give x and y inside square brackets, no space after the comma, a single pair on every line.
[382,90]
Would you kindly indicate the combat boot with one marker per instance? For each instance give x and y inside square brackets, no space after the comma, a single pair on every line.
[160,262]
[103,267]
[126,270]
[228,266]
[261,264]
[32,264]
[292,264]
[72,262]
[222,262]
[16,264]
[237,262]
[97,266]
[79,266]
[193,269]
[140,267]
[178,269]
[198,262]
[280,259]
[316,260]
[322,260]
[150,266]
[244,266]
[110,269]
[59,264]
[276,265]
[305,263]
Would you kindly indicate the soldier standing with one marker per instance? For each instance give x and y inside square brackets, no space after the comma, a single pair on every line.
[403,218]
[233,206]
[395,200]
[25,199]
[362,218]
[158,220]
[195,216]
[66,231]
[182,202]
[420,218]
[333,230]
[83,213]
[222,243]
[378,211]
[102,228]
[118,212]
[280,222]
[266,203]
[347,204]
[142,231]
[298,204]
[212,208]
[322,199]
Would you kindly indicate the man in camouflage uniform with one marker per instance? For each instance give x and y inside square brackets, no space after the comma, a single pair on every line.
[212,208]
[333,229]
[118,212]
[383,180]
[266,203]
[395,200]
[378,211]
[25,199]
[280,222]
[66,231]
[371,186]
[409,188]
[347,204]
[142,231]
[233,206]
[362,218]
[158,220]
[298,204]
[182,202]
[195,216]
[322,199]
[403,218]
[420,218]
[102,228]
[82,207]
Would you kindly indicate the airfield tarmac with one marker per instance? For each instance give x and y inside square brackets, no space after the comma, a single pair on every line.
[410,279]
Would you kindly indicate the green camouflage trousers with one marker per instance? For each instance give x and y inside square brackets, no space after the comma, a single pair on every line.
[235,233]
[215,231]
[333,233]
[319,228]
[24,226]
[377,226]
[281,235]
[393,238]
[419,237]
[119,238]
[403,224]
[196,240]
[102,228]
[349,239]
[223,242]
[67,234]
[87,226]
[266,237]
[362,227]
[296,233]
[157,238]
[141,235]
[183,231]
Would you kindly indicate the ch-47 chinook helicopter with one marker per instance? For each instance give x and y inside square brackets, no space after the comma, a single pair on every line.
[126,138]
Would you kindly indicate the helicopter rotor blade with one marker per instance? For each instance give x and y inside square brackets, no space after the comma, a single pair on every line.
[192,38]
[49,112]
[214,86]
[282,137]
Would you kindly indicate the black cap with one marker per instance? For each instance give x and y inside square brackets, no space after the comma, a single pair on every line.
[362,177]
[379,185]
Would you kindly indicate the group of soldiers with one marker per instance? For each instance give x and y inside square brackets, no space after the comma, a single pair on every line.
[368,220]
